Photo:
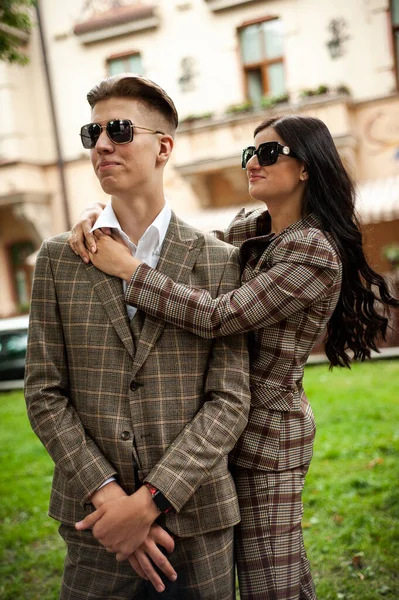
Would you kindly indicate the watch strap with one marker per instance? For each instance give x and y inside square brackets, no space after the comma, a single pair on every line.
[161,502]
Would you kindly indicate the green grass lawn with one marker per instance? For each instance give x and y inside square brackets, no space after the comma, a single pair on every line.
[351,520]
[351,496]
[31,552]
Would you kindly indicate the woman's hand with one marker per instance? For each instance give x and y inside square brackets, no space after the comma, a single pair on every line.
[113,256]
[81,239]
[149,554]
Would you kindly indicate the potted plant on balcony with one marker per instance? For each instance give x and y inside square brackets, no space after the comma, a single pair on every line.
[194,118]
[271,101]
[243,107]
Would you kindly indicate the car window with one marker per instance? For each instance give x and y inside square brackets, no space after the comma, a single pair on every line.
[13,344]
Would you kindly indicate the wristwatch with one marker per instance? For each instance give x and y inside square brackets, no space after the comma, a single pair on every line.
[162,503]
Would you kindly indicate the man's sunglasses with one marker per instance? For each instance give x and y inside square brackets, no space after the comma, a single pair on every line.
[267,153]
[119,131]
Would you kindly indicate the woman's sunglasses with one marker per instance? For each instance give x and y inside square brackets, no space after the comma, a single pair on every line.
[267,153]
[119,131]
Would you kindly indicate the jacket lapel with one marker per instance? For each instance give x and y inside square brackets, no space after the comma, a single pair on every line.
[179,253]
[110,292]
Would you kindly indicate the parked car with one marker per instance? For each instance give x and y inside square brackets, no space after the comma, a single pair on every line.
[13,339]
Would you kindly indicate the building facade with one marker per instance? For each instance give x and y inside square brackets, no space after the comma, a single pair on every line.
[227,64]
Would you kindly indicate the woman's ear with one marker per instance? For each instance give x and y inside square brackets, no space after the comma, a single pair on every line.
[304,175]
[165,147]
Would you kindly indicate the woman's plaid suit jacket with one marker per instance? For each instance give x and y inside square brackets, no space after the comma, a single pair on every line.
[290,286]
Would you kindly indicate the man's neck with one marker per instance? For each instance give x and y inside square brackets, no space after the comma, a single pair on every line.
[137,215]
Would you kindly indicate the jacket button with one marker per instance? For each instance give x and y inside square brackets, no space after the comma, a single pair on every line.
[134,386]
[125,435]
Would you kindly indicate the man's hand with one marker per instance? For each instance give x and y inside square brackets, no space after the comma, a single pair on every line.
[122,525]
[80,238]
[140,559]
[113,256]
[109,492]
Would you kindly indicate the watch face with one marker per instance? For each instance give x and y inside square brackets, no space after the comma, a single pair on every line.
[161,502]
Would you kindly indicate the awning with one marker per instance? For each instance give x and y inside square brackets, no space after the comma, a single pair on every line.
[378,199]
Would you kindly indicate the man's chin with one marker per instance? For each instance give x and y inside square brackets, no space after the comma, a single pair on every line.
[109,186]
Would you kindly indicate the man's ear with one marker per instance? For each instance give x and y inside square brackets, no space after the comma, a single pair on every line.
[165,147]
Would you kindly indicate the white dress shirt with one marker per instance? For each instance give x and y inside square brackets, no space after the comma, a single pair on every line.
[149,246]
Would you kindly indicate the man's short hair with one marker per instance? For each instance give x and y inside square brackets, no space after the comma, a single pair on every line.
[138,88]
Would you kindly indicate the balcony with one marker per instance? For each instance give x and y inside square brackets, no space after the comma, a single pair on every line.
[29,212]
[216,5]
[115,22]
[207,155]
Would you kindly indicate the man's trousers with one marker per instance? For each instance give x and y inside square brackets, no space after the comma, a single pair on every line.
[204,565]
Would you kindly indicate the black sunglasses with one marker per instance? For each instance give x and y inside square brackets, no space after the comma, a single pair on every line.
[267,153]
[119,131]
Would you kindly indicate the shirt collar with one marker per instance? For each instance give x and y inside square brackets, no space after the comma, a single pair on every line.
[161,222]
[107,218]
[159,225]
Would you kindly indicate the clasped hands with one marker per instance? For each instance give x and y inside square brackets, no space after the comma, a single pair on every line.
[125,526]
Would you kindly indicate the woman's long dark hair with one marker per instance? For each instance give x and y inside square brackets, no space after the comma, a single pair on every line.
[355,324]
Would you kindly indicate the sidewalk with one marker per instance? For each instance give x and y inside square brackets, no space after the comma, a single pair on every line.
[318,359]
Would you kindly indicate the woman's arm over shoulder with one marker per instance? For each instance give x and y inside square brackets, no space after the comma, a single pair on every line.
[304,269]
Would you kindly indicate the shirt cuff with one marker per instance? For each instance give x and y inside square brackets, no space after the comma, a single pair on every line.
[106,482]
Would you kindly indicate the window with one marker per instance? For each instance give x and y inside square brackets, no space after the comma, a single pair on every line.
[21,272]
[125,63]
[261,47]
[395,28]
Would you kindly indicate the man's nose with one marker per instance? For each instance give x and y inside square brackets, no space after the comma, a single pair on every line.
[104,144]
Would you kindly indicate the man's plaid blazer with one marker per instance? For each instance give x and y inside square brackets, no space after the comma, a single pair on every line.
[103,396]
[290,286]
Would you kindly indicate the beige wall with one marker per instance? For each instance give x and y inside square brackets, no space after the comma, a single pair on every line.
[366,68]
[204,169]
[377,126]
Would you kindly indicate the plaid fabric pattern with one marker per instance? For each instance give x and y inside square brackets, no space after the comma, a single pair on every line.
[169,402]
[290,287]
[271,558]
[204,565]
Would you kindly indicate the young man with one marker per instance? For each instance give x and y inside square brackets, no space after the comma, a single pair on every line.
[138,416]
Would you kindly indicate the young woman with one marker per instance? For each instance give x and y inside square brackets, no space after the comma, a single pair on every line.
[304,269]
